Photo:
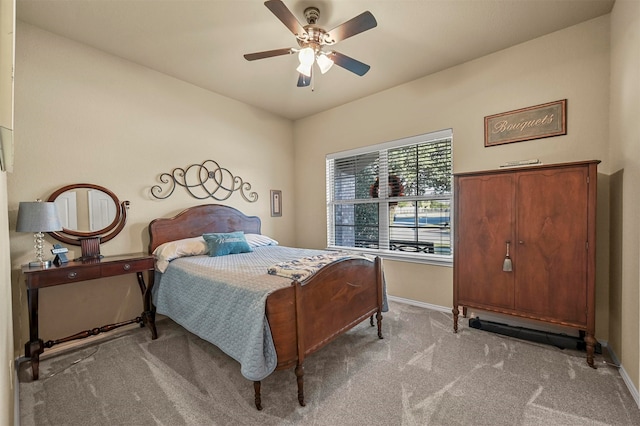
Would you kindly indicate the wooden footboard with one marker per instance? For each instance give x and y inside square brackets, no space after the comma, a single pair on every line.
[304,318]
[336,299]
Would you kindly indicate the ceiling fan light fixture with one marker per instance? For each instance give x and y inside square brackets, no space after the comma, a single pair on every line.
[324,62]
[306,56]
[304,69]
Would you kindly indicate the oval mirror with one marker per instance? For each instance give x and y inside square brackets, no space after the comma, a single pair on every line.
[88,211]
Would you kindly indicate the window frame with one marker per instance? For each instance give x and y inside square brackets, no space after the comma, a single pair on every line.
[383,217]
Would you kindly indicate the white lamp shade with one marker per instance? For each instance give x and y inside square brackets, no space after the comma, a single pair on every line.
[324,63]
[304,69]
[37,216]
[306,56]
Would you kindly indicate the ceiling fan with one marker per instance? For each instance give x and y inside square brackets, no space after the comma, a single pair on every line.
[312,39]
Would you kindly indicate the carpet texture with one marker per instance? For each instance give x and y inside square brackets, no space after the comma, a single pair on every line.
[420,374]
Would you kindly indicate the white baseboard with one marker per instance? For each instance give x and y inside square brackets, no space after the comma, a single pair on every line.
[16,395]
[623,373]
[419,304]
[516,321]
[494,317]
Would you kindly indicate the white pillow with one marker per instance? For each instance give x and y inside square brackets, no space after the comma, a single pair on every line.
[258,240]
[166,252]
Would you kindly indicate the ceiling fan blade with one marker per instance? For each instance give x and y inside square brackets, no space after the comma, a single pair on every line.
[349,63]
[268,54]
[284,14]
[303,80]
[363,22]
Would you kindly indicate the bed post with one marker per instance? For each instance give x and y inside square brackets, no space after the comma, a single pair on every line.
[258,398]
[299,370]
[379,284]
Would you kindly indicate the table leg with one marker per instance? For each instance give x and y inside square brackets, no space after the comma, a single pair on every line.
[148,313]
[35,346]
[141,283]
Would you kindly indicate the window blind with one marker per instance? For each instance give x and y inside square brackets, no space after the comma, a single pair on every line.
[393,197]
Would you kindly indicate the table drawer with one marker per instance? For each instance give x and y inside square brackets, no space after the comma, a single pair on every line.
[126,267]
[68,275]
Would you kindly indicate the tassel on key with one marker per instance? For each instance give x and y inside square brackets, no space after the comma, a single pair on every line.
[507,265]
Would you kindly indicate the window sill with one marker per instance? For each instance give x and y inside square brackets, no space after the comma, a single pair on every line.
[426,259]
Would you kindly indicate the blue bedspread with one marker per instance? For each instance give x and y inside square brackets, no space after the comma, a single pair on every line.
[222,300]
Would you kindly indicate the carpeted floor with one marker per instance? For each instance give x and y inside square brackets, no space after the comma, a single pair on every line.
[421,373]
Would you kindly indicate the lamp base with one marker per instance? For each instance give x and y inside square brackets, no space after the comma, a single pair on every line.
[38,264]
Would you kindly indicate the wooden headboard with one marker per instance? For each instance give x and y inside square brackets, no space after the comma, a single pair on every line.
[198,220]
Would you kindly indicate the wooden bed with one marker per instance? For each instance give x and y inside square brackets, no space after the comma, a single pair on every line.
[302,318]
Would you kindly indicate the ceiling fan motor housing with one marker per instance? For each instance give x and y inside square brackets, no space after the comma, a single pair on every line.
[311,14]
[314,38]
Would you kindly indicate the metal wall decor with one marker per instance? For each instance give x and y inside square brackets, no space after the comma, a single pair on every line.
[202,181]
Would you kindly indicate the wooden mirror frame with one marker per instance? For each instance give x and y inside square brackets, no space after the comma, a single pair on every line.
[90,241]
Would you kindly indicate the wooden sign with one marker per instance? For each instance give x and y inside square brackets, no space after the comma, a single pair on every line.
[536,122]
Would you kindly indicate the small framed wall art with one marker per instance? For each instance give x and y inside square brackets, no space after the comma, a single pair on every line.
[276,203]
[535,122]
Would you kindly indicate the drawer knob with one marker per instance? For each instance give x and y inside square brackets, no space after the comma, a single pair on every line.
[126,267]
[72,275]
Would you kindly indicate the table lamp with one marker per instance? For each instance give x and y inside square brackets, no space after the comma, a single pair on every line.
[38,217]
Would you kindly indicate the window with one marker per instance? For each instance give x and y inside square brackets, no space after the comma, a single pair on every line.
[393,199]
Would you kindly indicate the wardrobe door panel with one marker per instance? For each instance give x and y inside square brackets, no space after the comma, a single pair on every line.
[552,244]
[485,219]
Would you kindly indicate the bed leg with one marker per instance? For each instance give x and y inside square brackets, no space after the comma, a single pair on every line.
[300,379]
[371,320]
[258,400]
[379,318]
[455,312]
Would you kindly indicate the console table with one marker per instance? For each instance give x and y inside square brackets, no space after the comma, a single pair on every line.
[74,271]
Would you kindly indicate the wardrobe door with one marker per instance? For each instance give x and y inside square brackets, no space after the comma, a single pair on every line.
[551,244]
[485,218]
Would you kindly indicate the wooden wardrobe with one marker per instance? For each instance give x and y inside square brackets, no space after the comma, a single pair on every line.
[544,217]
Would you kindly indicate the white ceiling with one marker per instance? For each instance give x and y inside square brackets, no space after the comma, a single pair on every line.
[202,41]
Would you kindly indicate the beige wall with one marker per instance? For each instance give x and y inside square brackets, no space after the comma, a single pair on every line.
[7,371]
[6,321]
[85,116]
[572,64]
[625,200]
[6,62]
